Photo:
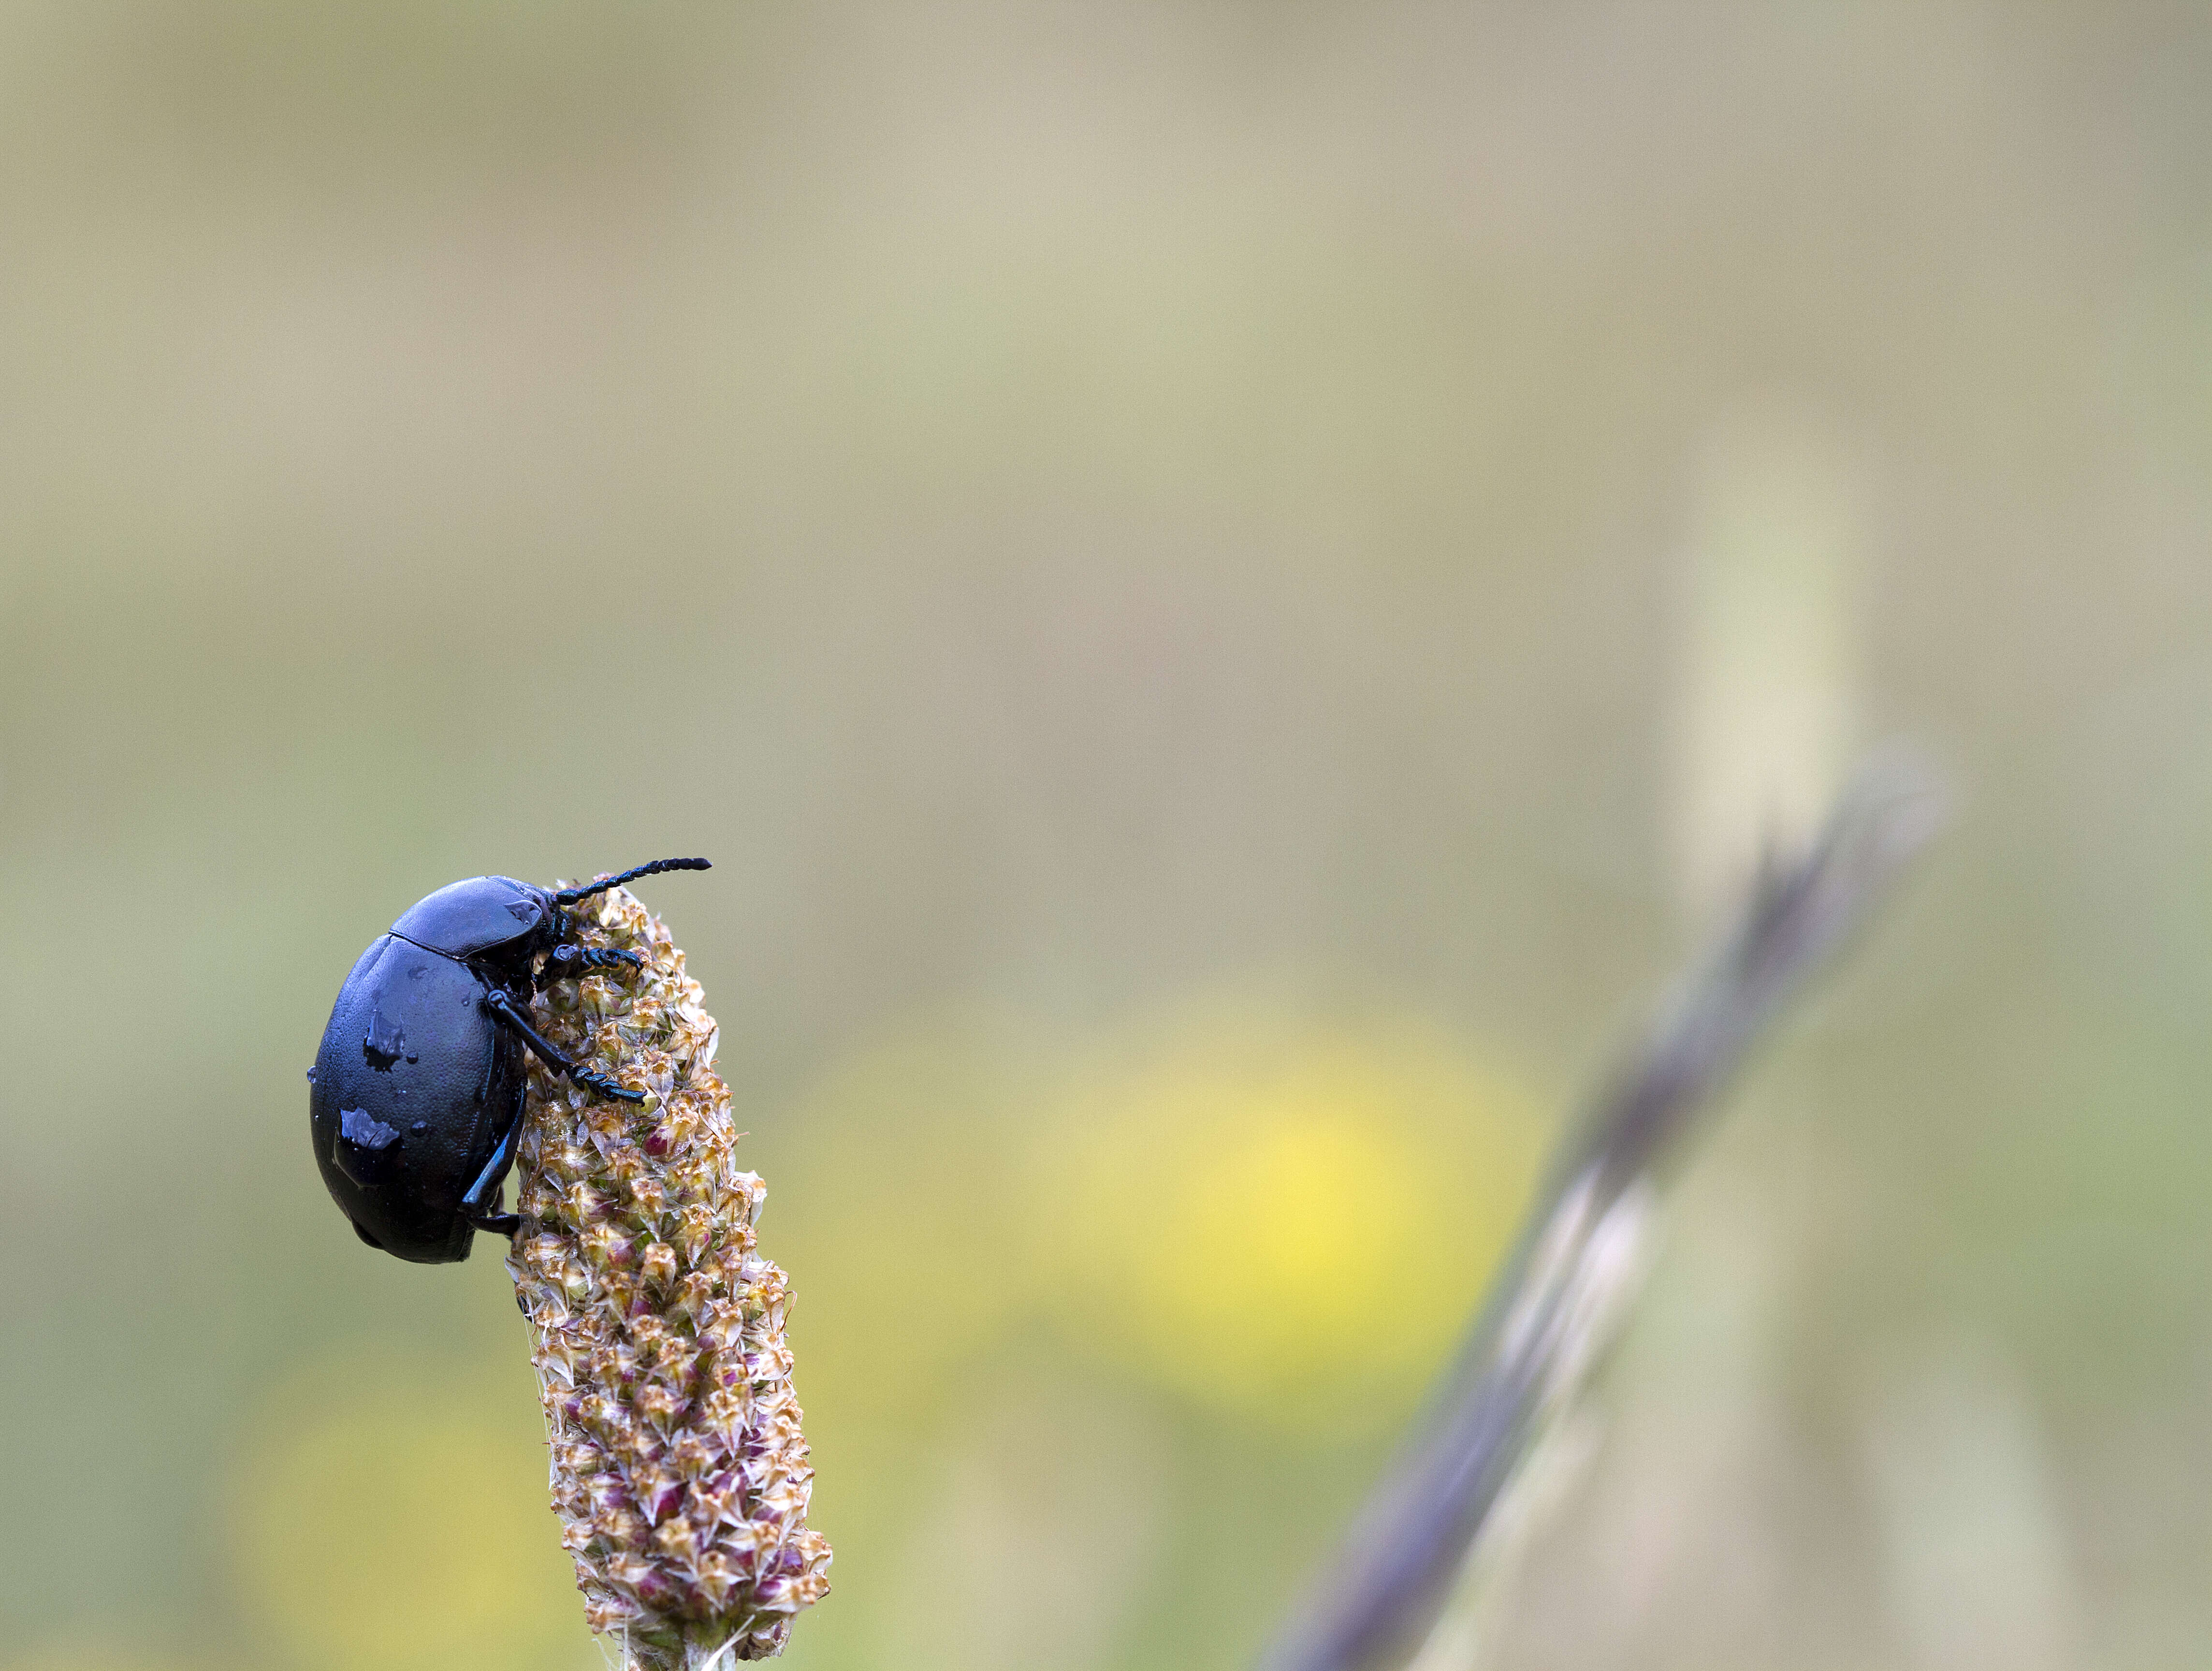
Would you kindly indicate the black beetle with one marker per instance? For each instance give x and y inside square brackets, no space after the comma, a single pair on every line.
[418,1089]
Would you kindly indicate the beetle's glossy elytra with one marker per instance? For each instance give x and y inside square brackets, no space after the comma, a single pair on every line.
[416,1096]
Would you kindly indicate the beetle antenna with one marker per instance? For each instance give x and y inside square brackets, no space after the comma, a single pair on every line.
[570,896]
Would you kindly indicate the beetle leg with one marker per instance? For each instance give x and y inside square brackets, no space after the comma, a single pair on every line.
[569,963]
[480,1206]
[503,1010]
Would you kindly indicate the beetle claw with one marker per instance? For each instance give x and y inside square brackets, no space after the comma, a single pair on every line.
[573,963]
[606,1087]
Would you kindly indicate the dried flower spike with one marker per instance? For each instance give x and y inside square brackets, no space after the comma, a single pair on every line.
[679,1473]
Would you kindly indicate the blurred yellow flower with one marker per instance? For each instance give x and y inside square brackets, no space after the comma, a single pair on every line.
[1288,1220]
[397,1521]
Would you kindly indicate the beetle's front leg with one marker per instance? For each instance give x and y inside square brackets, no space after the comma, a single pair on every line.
[503,1010]
[572,963]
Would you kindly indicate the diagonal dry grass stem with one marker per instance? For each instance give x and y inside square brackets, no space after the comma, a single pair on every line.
[1556,1303]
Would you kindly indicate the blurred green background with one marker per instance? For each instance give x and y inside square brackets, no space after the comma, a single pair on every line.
[1226,585]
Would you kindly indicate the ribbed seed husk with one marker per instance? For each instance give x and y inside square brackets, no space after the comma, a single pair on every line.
[679,1472]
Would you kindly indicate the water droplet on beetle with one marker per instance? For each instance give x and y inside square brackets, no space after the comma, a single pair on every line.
[364,1130]
[386,1040]
[366,1150]
[419,1127]
[310,1076]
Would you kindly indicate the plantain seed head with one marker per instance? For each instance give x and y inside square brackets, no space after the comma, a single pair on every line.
[679,1472]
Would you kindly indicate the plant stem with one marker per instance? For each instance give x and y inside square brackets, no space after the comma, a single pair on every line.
[1555,1304]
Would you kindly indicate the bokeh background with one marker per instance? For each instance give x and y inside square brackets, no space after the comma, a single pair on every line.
[1228,585]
